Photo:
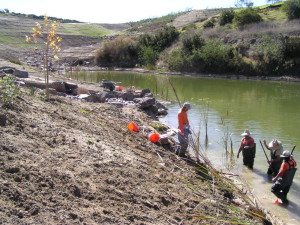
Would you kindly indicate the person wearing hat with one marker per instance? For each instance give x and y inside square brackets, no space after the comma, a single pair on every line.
[248,149]
[184,129]
[276,150]
[284,179]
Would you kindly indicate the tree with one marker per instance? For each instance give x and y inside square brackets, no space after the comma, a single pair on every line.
[246,16]
[226,16]
[243,3]
[48,33]
[292,9]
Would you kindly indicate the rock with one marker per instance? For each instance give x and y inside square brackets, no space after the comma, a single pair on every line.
[160,106]
[3,120]
[12,170]
[162,112]
[70,87]
[21,73]
[144,92]
[58,86]
[8,70]
[127,96]
[146,103]
[98,97]
[150,95]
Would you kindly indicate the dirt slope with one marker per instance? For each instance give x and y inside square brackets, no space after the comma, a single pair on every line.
[194,16]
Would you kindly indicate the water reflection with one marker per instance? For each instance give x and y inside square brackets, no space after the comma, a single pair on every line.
[268,109]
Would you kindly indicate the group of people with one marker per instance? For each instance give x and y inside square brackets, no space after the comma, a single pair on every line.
[282,165]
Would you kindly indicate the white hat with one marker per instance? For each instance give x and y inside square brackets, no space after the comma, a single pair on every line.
[246,133]
[275,144]
[285,154]
[187,105]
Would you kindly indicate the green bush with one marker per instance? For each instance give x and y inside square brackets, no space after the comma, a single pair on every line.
[10,91]
[147,56]
[216,56]
[122,51]
[292,46]
[292,9]
[271,53]
[246,16]
[192,42]
[177,61]
[208,24]
[226,17]
[160,40]
[191,26]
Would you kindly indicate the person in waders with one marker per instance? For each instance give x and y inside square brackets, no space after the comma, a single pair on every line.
[248,149]
[184,129]
[284,179]
[276,149]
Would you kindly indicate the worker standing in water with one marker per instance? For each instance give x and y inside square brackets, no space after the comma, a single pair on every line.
[184,129]
[276,149]
[285,176]
[248,149]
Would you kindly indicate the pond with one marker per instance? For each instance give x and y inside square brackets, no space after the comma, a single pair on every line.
[268,109]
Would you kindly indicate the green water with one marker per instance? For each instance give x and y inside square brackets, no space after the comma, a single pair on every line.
[268,109]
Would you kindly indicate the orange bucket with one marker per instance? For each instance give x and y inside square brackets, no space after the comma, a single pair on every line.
[132,126]
[154,137]
[120,88]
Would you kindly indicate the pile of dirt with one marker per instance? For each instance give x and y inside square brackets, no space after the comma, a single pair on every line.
[65,161]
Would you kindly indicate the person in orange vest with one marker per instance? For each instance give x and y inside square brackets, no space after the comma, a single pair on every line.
[248,149]
[184,129]
[284,178]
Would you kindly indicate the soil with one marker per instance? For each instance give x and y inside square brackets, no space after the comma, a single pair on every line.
[65,161]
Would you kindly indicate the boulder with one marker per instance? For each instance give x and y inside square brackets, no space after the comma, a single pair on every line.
[147,102]
[70,87]
[58,86]
[144,92]
[20,73]
[127,96]
[162,112]
[3,120]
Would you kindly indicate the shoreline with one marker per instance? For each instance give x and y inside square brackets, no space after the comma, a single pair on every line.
[219,76]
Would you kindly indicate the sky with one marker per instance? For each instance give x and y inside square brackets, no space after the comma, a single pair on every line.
[112,11]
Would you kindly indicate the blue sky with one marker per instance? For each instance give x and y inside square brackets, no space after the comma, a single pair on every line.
[112,11]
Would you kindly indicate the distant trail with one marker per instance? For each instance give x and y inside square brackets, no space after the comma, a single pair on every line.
[194,16]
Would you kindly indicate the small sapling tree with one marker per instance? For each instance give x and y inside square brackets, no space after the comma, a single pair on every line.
[47,32]
[10,90]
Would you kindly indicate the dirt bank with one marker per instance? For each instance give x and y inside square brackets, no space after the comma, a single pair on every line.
[64,161]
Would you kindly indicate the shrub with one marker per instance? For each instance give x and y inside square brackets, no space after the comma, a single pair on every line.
[177,61]
[216,56]
[10,91]
[191,26]
[292,46]
[271,53]
[292,9]
[246,16]
[122,51]
[226,17]
[192,42]
[208,24]
[147,56]
[160,40]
